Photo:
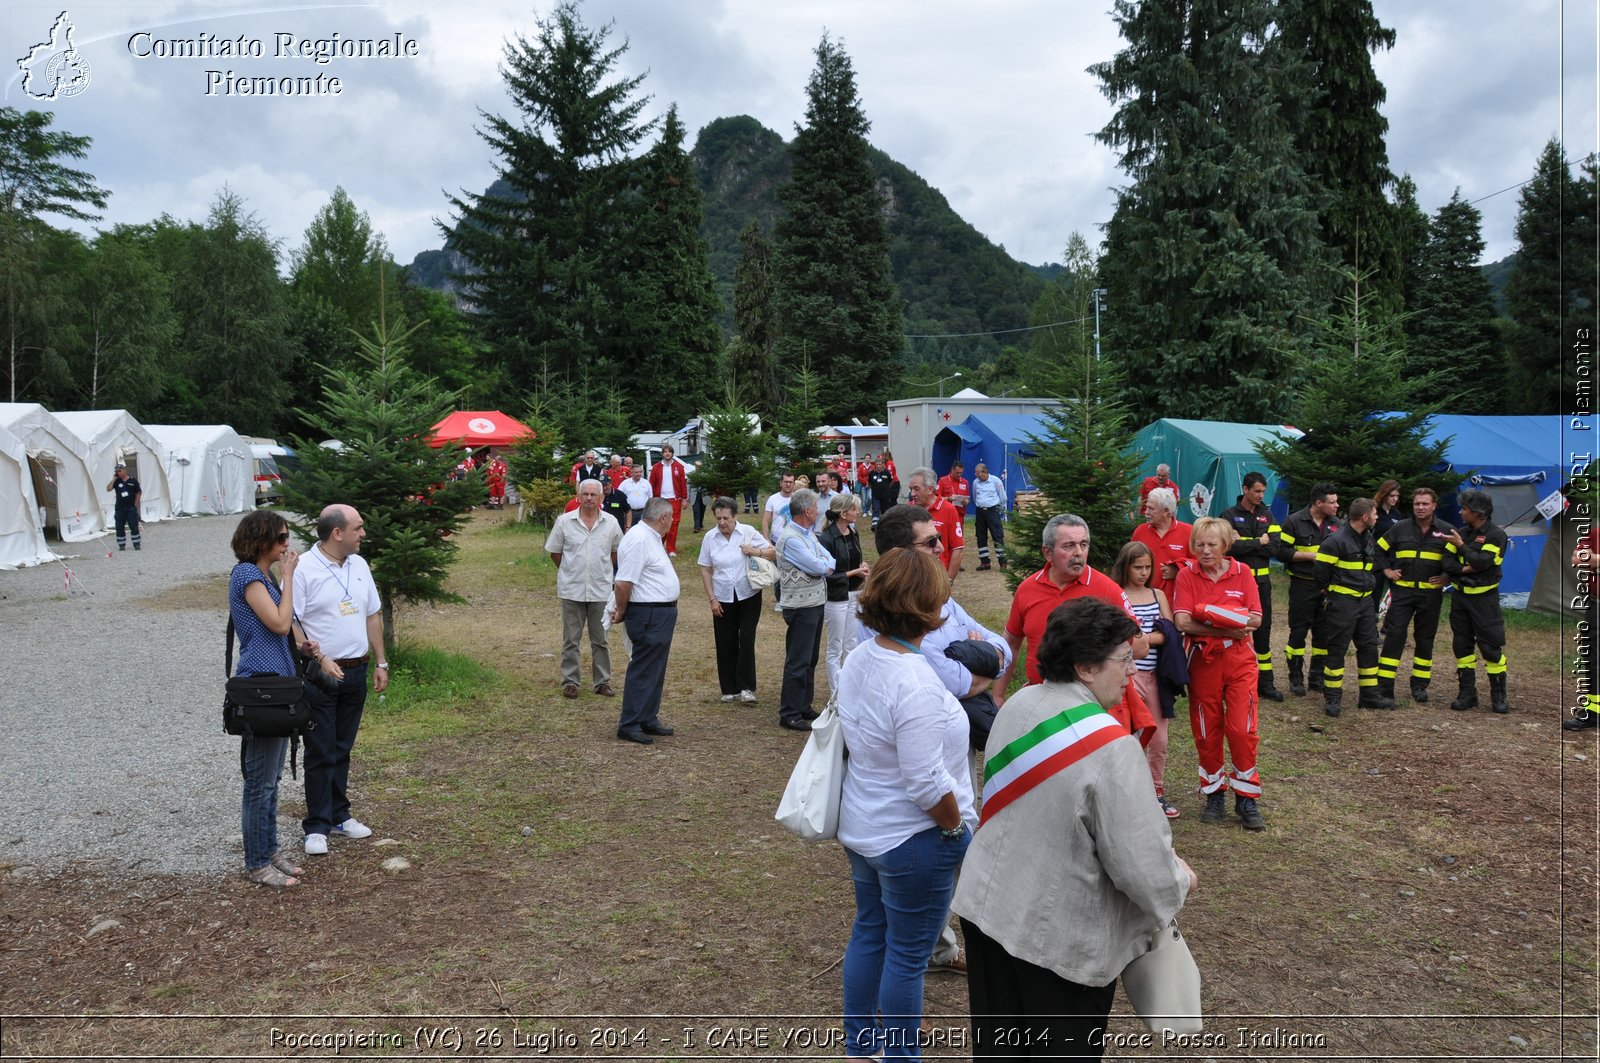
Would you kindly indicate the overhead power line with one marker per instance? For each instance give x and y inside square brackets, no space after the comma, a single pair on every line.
[997,332]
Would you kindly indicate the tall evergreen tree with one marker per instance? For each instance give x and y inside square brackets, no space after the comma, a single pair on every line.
[1060,360]
[676,304]
[1212,256]
[341,261]
[547,254]
[383,412]
[1452,329]
[802,411]
[836,301]
[126,326]
[1340,134]
[36,178]
[1411,240]
[1552,285]
[1360,376]
[752,360]
[736,455]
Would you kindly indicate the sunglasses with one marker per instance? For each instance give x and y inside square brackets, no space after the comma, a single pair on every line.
[932,542]
[283,537]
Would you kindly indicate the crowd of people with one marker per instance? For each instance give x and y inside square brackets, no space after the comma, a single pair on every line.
[1073,869]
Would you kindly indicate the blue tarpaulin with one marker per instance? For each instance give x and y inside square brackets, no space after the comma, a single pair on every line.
[999,440]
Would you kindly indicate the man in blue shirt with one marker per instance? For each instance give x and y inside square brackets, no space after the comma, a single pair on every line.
[803,564]
[989,502]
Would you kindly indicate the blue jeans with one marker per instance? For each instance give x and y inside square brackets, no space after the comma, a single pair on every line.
[328,745]
[261,762]
[902,902]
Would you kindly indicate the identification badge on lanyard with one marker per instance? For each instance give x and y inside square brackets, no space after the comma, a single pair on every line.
[347,608]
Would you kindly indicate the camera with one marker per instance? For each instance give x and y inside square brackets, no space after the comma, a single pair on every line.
[311,671]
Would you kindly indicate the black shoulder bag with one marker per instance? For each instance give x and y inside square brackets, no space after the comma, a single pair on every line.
[264,706]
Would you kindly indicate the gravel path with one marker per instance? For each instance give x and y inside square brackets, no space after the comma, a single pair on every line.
[111,743]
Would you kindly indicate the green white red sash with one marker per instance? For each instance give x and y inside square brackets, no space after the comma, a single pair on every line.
[1024,763]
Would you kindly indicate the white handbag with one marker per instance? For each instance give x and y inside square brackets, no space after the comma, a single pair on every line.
[1163,985]
[810,804]
[761,572]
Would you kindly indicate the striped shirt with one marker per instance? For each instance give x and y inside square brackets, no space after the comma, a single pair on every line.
[1147,615]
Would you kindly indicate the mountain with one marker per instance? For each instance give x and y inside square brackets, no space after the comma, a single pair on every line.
[952,279]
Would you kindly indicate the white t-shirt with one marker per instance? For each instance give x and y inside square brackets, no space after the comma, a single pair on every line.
[637,492]
[778,506]
[908,738]
[642,561]
[333,602]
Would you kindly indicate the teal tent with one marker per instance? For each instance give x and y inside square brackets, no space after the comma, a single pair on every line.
[1209,459]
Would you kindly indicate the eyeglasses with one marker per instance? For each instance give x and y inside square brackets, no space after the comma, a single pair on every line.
[1126,660]
[932,542]
[283,537]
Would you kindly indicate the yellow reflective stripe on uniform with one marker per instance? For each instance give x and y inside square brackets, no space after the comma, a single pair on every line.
[1327,558]
[1404,553]
[1495,667]
[1428,555]
[1286,537]
[1479,590]
[1264,571]
[1491,548]
[1335,588]
[1359,566]
[1273,529]
[1419,585]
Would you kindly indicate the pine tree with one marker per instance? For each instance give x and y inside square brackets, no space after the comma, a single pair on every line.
[1340,135]
[1553,281]
[1410,224]
[1212,256]
[1060,359]
[1452,329]
[1359,376]
[802,411]
[384,413]
[676,305]
[736,453]
[752,361]
[547,253]
[836,302]
[125,328]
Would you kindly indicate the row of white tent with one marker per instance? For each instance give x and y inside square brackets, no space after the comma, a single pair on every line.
[56,468]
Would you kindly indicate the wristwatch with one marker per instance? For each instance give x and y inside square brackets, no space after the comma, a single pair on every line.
[384,665]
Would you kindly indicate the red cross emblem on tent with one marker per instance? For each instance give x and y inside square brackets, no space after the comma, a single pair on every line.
[908,418]
[947,415]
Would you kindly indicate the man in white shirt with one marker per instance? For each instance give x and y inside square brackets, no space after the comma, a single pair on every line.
[583,544]
[647,601]
[338,607]
[774,517]
[636,489]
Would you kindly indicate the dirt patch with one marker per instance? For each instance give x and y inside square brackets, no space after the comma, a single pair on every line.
[1426,885]
[208,593]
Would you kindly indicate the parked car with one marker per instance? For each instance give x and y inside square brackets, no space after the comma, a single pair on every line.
[271,463]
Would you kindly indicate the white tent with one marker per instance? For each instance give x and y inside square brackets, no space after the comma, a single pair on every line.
[113,436]
[209,469]
[21,538]
[59,464]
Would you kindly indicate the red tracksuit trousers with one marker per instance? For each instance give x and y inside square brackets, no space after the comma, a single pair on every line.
[1222,703]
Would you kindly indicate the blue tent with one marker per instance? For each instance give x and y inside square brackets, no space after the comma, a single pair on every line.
[1518,461]
[1001,441]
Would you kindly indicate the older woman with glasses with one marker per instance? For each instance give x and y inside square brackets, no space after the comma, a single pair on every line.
[1071,871]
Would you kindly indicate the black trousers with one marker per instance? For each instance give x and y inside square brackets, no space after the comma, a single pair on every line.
[1475,619]
[1305,601]
[1023,1011]
[1344,619]
[1418,610]
[1261,638]
[990,521]
[735,633]
[127,518]
[802,648]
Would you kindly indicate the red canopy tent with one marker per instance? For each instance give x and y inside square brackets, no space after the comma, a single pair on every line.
[479,428]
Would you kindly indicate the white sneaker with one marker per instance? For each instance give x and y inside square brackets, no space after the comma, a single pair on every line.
[747,696]
[730,697]
[316,845]
[351,828]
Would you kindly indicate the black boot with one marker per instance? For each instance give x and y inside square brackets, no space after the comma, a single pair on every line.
[1245,808]
[1314,677]
[1467,697]
[1386,688]
[1374,698]
[1497,694]
[1581,722]
[1265,688]
[1331,696]
[1215,808]
[1419,691]
[1297,681]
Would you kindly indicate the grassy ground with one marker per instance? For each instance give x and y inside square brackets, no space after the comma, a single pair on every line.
[1426,885]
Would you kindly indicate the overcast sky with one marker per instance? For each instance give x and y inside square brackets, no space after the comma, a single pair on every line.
[991,103]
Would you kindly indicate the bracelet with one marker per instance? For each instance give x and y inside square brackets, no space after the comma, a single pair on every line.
[954,832]
[384,665]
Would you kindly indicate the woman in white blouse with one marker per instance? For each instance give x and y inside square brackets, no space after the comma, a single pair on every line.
[906,813]
[735,605]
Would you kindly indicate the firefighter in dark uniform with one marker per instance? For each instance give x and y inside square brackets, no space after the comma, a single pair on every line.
[1299,537]
[1253,524]
[1344,572]
[1476,553]
[128,494]
[1411,554]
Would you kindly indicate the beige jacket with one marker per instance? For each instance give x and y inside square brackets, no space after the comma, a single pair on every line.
[1076,874]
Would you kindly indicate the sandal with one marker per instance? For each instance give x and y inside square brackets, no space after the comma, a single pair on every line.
[287,865]
[268,875]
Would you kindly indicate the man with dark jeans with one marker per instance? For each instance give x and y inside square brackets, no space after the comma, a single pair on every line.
[338,607]
[803,565]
